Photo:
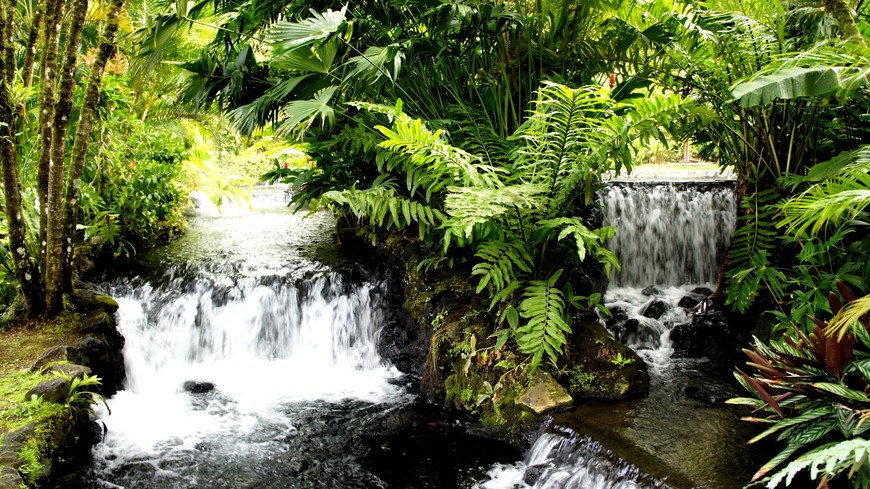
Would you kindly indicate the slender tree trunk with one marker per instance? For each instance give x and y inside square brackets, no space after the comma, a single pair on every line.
[82,139]
[9,33]
[25,270]
[54,233]
[32,40]
[52,27]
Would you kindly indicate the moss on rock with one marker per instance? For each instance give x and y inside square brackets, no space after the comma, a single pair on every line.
[599,366]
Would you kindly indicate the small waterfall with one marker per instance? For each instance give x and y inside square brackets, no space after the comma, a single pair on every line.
[192,326]
[670,239]
[561,460]
[669,233]
[246,357]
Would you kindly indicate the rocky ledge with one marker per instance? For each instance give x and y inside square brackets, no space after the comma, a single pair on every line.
[66,429]
[446,339]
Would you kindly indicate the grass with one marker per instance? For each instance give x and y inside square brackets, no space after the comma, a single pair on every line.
[21,343]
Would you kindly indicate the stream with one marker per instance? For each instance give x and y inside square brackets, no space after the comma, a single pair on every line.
[252,358]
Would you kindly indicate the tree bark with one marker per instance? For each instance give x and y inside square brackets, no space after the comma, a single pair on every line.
[32,39]
[82,139]
[842,12]
[54,231]
[52,27]
[25,270]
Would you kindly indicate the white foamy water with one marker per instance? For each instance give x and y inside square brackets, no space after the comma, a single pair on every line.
[564,460]
[275,340]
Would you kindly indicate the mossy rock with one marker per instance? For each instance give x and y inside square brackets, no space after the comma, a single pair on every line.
[599,366]
[544,394]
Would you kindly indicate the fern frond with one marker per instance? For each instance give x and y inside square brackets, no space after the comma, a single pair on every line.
[432,163]
[499,262]
[586,241]
[471,206]
[543,307]
[841,197]
[381,206]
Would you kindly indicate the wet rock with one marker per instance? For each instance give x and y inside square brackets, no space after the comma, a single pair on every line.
[99,323]
[197,386]
[688,302]
[702,291]
[618,315]
[70,370]
[651,291]
[15,439]
[103,354]
[62,353]
[545,395]
[710,335]
[54,390]
[84,300]
[655,309]
[533,474]
[602,367]
[637,332]
[10,478]
[705,395]
[9,458]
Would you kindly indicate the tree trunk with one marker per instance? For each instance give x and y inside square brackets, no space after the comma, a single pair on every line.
[25,271]
[52,27]
[82,139]
[842,12]
[32,39]
[54,231]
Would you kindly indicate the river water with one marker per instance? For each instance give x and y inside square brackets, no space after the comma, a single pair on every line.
[252,362]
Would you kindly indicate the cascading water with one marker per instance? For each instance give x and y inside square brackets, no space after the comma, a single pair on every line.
[240,354]
[670,241]
[669,233]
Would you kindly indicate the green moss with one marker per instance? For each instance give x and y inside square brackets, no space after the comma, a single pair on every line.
[15,411]
[581,381]
[37,449]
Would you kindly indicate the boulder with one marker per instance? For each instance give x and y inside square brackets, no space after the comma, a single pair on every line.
[84,300]
[197,386]
[544,395]
[54,390]
[61,353]
[702,291]
[710,335]
[70,370]
[651,291]
[688,302]
[10,478]
[103,354]
[637,332]
[600,366]
[618,315]
[655,309]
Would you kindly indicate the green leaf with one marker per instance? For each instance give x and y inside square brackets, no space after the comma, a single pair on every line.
[285,36]
[788,83]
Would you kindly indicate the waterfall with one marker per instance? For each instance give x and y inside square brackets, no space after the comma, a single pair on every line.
[669,233]
[251,349]
[563,459]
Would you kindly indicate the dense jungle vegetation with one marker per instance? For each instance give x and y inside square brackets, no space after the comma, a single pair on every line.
[480,131]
